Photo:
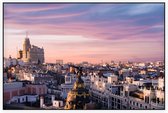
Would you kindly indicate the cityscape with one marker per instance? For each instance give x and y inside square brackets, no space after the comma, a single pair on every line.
[84,56]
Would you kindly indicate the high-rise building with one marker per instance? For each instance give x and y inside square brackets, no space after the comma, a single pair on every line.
[31,53]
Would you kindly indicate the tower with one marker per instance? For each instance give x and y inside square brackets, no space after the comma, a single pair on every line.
[26,49]
[20,54]
[26,44]
[79,96]
[52,98]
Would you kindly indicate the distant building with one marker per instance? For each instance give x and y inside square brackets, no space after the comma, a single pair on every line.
[59,62]
[31,53]
[37,78]
[24,99]
[8,62]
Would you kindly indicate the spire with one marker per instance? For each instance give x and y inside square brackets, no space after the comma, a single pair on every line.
[26,34]
[17,51]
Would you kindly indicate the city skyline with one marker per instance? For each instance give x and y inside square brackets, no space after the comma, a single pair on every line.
[87,32]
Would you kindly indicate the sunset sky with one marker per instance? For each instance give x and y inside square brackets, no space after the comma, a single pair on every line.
[87,32]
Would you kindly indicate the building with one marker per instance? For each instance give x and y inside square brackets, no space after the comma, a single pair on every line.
[31,53]
[57,103]
[17,89]
[126,95]
[59,62]
[35,77]
[68,85]
[10,61]
[79,96]
[23,99]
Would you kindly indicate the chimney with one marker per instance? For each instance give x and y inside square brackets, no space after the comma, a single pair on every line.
[52,98]
[41,101]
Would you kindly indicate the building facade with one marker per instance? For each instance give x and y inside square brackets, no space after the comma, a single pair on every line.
[19,89]
[31,53]
[118,95]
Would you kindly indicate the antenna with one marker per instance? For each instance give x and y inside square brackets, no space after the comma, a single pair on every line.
[16,51]
[26,34]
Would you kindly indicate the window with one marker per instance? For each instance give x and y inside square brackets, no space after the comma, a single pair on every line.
[124,107]
[145,107]
[158,100]
[68,79]
[59,104]
[140,105]
[118,100]
[126,93]
[112,104]
[137,104]
[118,106]
[115,99]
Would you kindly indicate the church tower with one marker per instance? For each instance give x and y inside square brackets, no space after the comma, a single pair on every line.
[26,49]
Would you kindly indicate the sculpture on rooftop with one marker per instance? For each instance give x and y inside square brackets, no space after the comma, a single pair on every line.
[79,96]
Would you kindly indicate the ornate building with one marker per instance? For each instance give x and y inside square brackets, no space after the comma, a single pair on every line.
[31,53]
[79,96]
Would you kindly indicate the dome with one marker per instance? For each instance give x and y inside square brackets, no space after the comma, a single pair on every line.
[79,96]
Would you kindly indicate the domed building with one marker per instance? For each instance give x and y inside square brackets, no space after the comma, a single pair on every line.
[79,96]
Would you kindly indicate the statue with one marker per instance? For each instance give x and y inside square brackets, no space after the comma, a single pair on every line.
[79,96]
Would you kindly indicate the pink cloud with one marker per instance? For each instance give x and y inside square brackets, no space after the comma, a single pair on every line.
[110,40]
[34,9]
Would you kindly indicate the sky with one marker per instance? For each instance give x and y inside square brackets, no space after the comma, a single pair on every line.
[87,32]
